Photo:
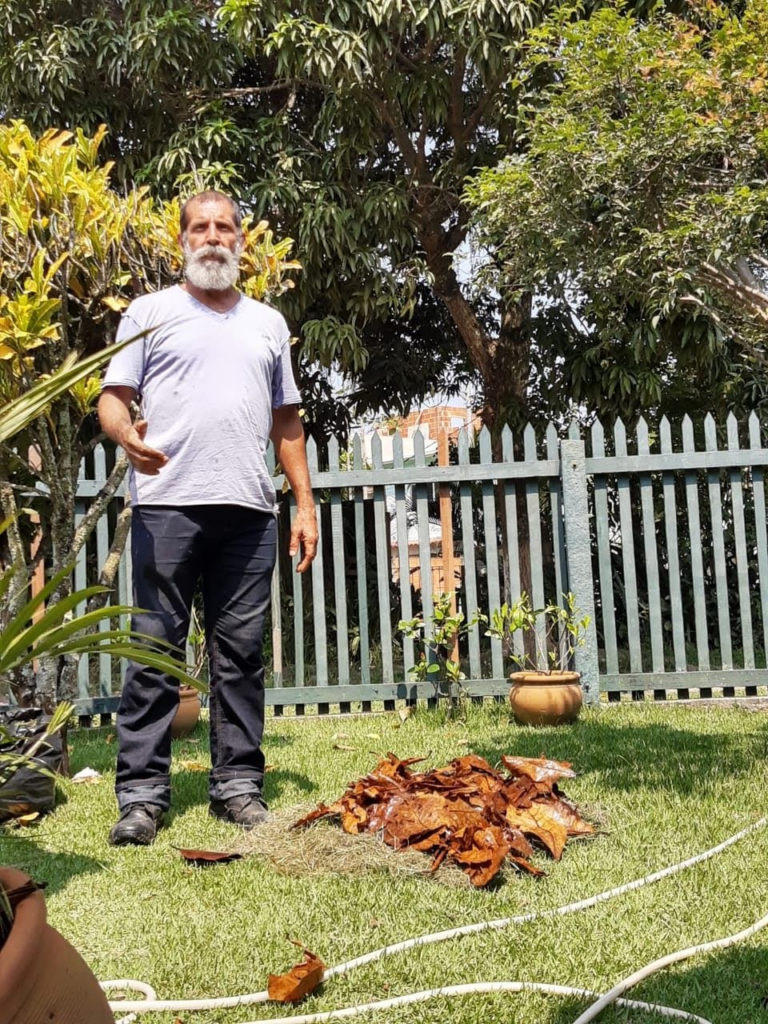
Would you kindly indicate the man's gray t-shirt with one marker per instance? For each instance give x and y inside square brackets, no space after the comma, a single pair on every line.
[208,382]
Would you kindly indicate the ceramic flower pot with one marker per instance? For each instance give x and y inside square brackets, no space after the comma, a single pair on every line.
[42,977]
[187,714]
[538,698]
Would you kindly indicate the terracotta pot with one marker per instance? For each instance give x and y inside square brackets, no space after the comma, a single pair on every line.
[187,713]
[541,699]
[42,978]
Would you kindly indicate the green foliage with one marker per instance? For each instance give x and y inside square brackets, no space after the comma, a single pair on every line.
[438,639]
[557,631]
[640,205]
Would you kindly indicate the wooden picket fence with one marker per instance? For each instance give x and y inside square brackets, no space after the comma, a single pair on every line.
[661,536]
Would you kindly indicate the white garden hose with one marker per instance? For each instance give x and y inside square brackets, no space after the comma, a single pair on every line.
[151,1003]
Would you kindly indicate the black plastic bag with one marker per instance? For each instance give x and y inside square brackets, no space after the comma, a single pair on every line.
[28,790]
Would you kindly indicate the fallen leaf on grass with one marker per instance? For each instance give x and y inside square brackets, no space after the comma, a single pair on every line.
[340,736]
[205,857]
[86,775]
[299,981]
[27,819]
[193,766]
[110,738]
[404,714]
[341,746]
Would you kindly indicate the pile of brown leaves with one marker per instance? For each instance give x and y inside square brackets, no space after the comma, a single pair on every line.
[466,811]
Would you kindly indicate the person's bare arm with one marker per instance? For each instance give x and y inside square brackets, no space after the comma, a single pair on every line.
[291,452]
[115,418]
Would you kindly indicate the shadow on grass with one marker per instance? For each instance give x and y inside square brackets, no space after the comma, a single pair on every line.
[56,869]
[730,986]
[628,757]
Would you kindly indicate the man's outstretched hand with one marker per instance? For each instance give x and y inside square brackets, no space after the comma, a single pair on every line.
[143,458]
[304,536]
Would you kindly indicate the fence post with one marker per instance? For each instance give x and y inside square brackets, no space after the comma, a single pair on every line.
[578,549]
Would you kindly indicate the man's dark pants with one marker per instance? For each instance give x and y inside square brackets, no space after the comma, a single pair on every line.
[232,550]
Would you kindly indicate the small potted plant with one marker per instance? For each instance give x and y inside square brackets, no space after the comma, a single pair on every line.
[545,690]
[42,977]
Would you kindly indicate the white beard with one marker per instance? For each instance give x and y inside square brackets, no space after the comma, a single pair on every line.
[212,268]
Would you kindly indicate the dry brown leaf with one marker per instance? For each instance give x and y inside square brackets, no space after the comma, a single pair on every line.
[204,857]
[341,746]
[535,821]
[538,768]
[404,714]
[298,982]
[110,738]
[27,819]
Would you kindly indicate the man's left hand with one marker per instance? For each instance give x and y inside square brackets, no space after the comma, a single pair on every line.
[304,536]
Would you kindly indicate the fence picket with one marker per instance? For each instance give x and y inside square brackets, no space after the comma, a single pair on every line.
[81,581]
[533,509]
[469,550]
[362,571]
[297,586]
[491,547]
[102,551]
[718,548]
[697,560]
[425,549]
[651,553]
[604,553]
[275,604]
[740,542]
[381,529]
[673,558]
[339,572]
[318,587]
[556,513]
[761,535]
[513,543]
[628,552]
[403,555]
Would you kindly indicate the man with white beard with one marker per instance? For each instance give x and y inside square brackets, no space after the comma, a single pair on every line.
[214,379]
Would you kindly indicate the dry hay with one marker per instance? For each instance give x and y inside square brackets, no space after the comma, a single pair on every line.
[325,849]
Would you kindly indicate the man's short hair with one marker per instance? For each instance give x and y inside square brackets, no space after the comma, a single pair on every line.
[202,197]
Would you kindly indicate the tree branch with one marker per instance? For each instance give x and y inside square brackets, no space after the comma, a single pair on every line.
[112,561]
[98,505]
[456,107]
[478,113]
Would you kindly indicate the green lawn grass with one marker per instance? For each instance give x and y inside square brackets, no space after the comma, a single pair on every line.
[667,782]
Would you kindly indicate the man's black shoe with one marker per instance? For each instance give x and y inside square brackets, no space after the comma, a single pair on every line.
[137,825]
[247,811]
